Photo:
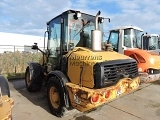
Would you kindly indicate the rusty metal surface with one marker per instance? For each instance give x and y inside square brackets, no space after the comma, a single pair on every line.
[83,94]
[6,108]
[145,77]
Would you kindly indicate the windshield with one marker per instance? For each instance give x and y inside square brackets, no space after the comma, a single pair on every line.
[80,30]
[132,38]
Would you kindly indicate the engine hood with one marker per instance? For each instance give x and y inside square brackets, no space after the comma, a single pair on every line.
[84,54]
[150,60]
[136,50]
[81,61]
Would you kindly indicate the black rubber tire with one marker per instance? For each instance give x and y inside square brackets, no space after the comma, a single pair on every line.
[31,87]
[60,110]
[4,86]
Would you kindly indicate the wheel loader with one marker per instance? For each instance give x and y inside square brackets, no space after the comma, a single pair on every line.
[127,40]
[74,70]
[6,103]
[151,42]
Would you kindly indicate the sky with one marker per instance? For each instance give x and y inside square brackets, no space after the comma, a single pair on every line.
[30,16]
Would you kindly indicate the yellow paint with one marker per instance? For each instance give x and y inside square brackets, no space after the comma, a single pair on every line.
[5,108]
[84,94]
[82,58]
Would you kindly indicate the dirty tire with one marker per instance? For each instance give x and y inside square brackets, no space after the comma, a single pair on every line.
[4,86]
[30,85]
[55,97]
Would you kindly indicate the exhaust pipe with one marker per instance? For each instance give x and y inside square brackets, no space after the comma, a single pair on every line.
[96,35]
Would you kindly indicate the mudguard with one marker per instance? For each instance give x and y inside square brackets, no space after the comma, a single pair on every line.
[63,80]
[36,72]
[4,86]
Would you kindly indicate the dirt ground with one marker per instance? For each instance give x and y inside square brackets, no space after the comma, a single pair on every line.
[143,104]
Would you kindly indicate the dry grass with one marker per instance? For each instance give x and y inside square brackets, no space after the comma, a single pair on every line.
[17,62]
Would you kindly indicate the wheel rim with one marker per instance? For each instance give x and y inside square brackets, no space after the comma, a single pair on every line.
[54,97]
[28,80]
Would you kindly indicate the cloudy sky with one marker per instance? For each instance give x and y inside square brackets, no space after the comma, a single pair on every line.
[30,16]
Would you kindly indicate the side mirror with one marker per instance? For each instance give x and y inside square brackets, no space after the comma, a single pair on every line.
[34,47]
[100,20]
[109,20]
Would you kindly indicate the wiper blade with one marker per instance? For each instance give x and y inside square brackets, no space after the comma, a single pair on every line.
[84,25]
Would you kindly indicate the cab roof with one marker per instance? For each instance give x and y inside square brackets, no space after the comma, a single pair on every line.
[67,12]
[127,27]
[152,35]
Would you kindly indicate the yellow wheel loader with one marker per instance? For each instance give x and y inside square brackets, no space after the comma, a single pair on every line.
[6,103]
[75,70]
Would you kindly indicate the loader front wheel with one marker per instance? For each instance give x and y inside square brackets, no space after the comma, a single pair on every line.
[30,84]
[55,97]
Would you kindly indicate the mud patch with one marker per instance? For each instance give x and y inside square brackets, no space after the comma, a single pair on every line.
[84,117]
[158,112]
[153,104]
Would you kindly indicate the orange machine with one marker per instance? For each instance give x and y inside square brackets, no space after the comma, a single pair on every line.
[127,40]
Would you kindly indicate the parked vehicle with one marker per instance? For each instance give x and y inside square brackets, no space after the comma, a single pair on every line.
[127,40]
[151,42]
[76,72]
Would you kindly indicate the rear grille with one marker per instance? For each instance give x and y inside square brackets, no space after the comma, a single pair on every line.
[110,72]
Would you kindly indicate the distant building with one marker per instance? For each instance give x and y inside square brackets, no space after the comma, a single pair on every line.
[19,42]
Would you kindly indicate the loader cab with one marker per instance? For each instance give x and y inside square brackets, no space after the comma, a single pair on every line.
[150,42]
[66,31]
[125,38]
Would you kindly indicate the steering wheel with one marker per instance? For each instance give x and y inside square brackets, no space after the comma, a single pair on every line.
[152,47]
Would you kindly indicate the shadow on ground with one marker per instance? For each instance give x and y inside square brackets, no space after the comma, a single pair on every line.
[40,99]
[156,82]
[37,98]
[84,117]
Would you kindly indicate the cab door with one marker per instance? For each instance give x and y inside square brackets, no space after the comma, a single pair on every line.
[54,37]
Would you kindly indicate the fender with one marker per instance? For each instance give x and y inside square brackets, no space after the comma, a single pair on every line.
[4,86]
[63,80]
[36,72]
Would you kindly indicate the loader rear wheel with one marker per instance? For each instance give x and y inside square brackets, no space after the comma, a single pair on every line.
[30,85]
[55,97]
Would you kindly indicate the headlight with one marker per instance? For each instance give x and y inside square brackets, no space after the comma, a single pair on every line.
[140,69]
[152,60]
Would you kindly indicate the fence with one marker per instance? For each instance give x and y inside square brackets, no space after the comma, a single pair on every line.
[14,59]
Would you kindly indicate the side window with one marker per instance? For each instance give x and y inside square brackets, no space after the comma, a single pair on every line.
[54,37]
[153,43]
[127,39]
[113,39]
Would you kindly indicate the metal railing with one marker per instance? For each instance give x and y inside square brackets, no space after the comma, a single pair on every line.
[14,59]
